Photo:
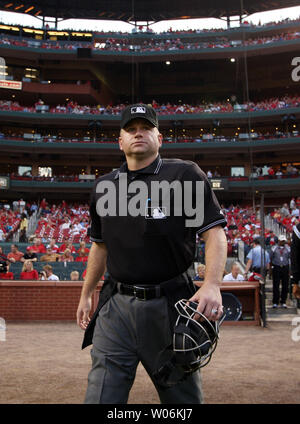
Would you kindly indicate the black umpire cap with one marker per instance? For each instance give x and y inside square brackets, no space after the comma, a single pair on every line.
[139,110]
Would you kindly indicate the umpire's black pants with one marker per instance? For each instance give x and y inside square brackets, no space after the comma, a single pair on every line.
[129,331]
[280,274]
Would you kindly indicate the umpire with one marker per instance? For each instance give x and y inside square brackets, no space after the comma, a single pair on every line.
[295,262]
[280,259]
[146,256]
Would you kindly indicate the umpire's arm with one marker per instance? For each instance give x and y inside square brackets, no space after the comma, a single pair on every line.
[209,295]
[95,269]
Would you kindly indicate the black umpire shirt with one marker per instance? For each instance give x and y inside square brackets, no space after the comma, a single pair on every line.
[156,245]
[295,253]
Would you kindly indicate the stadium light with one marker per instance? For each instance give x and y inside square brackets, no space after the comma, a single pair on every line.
[29,9]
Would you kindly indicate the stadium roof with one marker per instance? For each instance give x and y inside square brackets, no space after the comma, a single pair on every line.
[142,10]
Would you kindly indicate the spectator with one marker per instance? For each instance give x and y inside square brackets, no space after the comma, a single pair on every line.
[29,255]
[284,211]
[38,246]
[2,255]
[200,273]
[15,255]
[67,245]
[292,203]
[42,275]
[74,229]
[22,205]
[74,276]
[82,256]
[66,256]
[2,235]
[271,239]
[295,212]
[234,275]
[49,273]
[258,259]
[82,246]
[53,246]
[28,273]
[271,172]
[289,169]
[5,274]
[23,224]
[50,256]
[65,225]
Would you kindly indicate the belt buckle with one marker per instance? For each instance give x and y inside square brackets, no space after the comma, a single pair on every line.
[135,292]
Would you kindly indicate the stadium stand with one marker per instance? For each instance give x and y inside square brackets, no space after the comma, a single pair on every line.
[227,100]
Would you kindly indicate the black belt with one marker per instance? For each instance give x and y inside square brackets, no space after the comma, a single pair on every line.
[140,292]
[282,266]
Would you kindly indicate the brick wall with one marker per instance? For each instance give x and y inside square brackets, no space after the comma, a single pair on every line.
[50,300]
[28,301]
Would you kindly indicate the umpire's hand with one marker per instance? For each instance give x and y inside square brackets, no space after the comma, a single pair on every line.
[209,301]
[83,311]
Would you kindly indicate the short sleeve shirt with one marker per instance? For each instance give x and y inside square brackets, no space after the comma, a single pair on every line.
[148,239]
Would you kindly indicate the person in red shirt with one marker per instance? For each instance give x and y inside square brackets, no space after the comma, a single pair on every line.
[67,245]
[271,172]
[6,275]
[15,255]
[28,273]
[53,246]
[82,256]
[38,246]
[66,256]
[82,246]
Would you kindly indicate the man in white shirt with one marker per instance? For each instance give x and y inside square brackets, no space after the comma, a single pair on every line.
[65,225]
[50,276]
[234,275]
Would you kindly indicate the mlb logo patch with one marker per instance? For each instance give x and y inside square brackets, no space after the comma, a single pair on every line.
[138,109]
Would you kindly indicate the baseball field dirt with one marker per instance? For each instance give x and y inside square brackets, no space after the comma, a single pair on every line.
[42,363]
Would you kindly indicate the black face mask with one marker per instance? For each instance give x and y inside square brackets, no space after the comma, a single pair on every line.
[193,345]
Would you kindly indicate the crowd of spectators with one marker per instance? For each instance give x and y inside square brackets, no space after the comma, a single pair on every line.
[205,137]
[167,108]
[14,217]
[288,215]
[54,241]
[127,44]
[63,222]
[243,224]
[149,30]
[271,172]
[46,255]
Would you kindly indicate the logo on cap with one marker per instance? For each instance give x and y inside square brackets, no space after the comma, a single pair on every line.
[138,109]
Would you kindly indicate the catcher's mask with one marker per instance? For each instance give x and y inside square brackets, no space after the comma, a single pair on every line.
[194,342]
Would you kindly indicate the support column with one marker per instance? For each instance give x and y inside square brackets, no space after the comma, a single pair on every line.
[247,167]
[35,170]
